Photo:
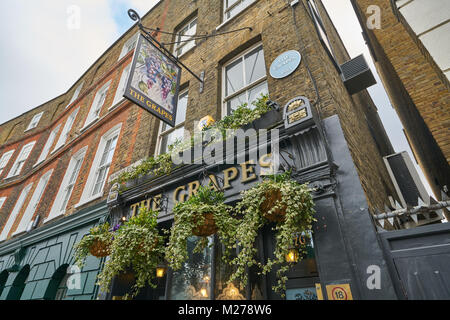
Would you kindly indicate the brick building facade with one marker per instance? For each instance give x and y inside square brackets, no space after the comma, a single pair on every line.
[99,120]
[410,51]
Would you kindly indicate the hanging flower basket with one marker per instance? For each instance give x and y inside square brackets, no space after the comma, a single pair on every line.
[208,227]
[272,197]
[100,249]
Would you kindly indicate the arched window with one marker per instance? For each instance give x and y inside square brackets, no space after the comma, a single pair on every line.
[3,279]
[57,288]
[19,284]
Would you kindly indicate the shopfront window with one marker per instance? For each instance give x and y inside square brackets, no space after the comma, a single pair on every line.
[193,280]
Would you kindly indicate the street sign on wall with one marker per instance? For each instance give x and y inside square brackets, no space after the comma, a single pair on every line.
[154,81]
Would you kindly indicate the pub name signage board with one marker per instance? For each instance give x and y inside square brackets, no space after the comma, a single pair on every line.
[154,81]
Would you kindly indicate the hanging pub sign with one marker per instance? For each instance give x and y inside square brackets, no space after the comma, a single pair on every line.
[154,81]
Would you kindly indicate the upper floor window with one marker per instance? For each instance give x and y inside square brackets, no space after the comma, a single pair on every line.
[20,161]
[233,7]
[48,145]
[5,159]
[168,135]
[187,31]
[245,79]
[67,185]
[34,122]
[100,166]
[66,130]
[2,201]
[33,203]
[122,84]
[129,45]
[12,217]
[97,104]
[75,94]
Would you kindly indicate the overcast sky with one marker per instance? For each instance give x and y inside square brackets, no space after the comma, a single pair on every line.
[41,57]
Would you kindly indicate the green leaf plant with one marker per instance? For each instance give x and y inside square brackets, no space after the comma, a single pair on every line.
[296,206]
[98,233]
[137,246]
[191,215]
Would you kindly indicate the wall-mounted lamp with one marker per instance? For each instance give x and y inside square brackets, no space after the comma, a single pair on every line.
[161,271]
[292,255]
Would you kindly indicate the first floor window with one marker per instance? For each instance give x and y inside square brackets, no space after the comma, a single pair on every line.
[34,202]
[100,166]
[97,104]
[169,135]
[67,185]
[66,130]
[122,85]
[12,217]
[245,79]
[48,145]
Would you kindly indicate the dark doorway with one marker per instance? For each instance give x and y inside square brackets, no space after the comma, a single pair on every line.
[19,284]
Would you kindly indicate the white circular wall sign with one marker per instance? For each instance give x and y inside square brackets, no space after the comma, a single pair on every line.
[285,64]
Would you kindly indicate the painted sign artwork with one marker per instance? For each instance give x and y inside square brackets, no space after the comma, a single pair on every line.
[154,81]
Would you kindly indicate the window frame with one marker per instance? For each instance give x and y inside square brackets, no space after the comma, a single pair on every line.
[180,45]
[8,155]
[14,213]
[66,130]
[55,210]
[48,145]
[87,195]
[39,117]
[168,131]
[132,39]
[2,201]
[90,119]
[227,9]
[118,98]
[36,197]
[245,88]
[18,160]
[76,94]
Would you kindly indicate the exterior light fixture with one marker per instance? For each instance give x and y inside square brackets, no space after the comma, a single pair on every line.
[161,271]
[292,255]
[204,292]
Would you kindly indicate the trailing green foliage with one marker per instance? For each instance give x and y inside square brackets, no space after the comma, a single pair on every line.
[189,215]
[297,202]
[137,247]
[97,233]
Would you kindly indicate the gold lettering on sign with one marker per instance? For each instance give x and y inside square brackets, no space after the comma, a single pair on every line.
[213,182]
[176,193]
[228,175]
[156,203]
[193,187]
[248,171]
[134,208]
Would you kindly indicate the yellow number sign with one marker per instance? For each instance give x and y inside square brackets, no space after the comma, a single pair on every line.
[339,292]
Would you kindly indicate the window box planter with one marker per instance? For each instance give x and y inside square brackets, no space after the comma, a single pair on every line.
[267,120]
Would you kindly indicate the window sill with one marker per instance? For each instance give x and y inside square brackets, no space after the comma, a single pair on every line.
[236,15]
[189,50]
[86,201]
[88,125]
[52,218]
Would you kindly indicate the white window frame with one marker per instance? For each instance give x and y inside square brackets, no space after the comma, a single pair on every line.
[35,121]
[245,88]
[169,129]
[66,130]
[121,86]
[21,158]
[128,45]
[187,45]
[96,106]
[27,216]
[17,208]
[2,201]
[75,94]
[227,9]
[4,160]
[48,145]
[67,185]
[87,195]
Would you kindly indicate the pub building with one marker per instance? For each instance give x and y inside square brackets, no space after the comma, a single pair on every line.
[322,124]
